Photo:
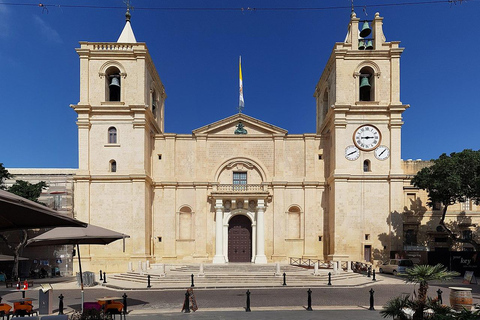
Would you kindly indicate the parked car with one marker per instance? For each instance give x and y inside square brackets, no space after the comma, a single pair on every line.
[395,266]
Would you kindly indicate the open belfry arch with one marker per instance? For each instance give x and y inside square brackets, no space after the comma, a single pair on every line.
[239,189]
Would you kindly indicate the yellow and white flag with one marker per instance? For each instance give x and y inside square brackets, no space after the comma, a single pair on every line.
[241,102]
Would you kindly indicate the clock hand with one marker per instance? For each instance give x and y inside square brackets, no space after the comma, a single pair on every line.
[367,138]
[382,152]
[351,153]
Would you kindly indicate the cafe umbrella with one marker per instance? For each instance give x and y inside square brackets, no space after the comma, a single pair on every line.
[19,213]
[77,236]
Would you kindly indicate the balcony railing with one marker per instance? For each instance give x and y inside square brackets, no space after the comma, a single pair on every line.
[240,188]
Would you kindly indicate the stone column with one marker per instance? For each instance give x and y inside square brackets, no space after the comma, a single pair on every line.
[260,257]
[315,269]
[219,257]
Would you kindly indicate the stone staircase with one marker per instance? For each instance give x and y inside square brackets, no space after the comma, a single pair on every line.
[234,276]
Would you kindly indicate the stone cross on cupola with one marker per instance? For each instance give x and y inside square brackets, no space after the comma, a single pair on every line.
[127,35]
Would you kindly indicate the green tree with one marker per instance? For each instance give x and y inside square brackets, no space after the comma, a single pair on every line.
[421,275]
[451,179]
[28,190]
[4,175]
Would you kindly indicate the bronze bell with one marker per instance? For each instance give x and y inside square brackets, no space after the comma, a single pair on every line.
[364,82]
[115,82]
[365,30]
[369,45]
[361,45]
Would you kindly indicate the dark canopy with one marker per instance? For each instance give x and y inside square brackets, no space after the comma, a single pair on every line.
[66,235]
[19,213]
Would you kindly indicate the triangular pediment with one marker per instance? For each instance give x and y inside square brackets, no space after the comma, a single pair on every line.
[229,125]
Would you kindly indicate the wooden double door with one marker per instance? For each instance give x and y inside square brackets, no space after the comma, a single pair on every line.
[240,239]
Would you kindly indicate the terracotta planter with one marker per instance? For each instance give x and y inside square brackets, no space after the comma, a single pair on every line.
[461,298]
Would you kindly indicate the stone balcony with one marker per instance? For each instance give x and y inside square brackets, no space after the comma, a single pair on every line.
[259,191]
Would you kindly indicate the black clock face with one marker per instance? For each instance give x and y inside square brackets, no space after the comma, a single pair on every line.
[367,137]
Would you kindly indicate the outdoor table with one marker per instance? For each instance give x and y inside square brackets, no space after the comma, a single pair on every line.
[108,299]
[22,299]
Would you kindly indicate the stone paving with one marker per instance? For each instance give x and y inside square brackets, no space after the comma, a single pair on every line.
[178,278]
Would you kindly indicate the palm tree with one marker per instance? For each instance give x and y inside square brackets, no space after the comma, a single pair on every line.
[422,274]
[394,308]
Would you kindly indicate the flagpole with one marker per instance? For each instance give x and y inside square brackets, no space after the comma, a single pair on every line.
[241,102]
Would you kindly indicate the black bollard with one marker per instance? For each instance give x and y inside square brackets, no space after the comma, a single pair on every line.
[373,276]
[247,309]
[186,303]
[104,277]
[309,306]
[439,293]
[371,300]
[284,279]
[148,281]
[124,304]
[60,304]
[369,272]
[101,279]
[1,299]
[23,294]
[192,285]
[329,278]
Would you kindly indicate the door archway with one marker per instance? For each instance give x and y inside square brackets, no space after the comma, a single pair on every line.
[240,239]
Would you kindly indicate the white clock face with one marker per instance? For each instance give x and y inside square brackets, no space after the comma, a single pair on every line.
[352,153]
[382,153]
[367,137]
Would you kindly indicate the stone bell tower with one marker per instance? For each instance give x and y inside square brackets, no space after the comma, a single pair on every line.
[121,109]
[359,115]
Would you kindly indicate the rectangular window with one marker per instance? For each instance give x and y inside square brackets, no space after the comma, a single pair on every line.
[466,206]
[410,237]
[239,181]
[467,234]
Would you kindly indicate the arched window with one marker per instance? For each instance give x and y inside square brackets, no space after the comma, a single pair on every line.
[367,84]
[112,135]
[366,166]
[154,103]
[113,166]
[113,84]
[325,103]
[185,223]
[294,223]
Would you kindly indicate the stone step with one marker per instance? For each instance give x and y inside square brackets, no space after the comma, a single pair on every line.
[229,268]
[142,278]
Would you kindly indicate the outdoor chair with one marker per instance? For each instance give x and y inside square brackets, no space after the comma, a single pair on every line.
[115,308]
[5,310]
[23,309]
[92,305]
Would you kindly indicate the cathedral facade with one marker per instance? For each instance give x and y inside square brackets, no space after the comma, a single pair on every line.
[242,189]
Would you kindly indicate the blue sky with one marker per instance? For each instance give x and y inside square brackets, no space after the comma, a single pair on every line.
[196,55]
